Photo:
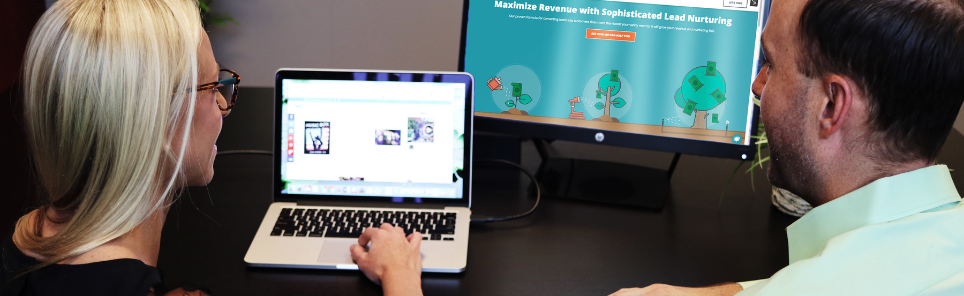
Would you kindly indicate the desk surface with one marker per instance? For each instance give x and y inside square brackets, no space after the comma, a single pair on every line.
[564,248]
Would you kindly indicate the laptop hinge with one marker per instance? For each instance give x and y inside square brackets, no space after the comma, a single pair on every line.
[369,204]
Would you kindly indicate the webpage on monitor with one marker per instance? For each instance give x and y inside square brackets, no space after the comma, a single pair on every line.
[673,68]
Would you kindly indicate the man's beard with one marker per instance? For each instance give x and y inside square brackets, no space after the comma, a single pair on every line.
[792,163]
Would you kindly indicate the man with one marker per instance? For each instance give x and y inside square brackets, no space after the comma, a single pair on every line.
[858,97]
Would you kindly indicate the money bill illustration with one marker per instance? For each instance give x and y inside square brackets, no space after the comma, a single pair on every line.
[718,96]
[690,106]
[695,82]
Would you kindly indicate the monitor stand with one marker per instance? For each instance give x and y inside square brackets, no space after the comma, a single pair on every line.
[604,182]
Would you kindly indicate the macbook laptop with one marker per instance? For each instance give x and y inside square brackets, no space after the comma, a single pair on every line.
[357,148]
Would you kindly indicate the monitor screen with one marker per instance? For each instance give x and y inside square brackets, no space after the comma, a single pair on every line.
[675,72]
[372,138]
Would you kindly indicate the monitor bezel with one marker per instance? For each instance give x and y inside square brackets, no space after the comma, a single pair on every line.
[615,138]
[348,74]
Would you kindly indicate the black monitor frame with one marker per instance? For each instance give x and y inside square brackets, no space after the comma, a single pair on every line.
[614,138]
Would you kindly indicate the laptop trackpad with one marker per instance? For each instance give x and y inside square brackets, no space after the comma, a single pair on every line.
[335,251]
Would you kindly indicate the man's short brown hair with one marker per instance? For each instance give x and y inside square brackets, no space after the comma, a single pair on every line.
[907,56]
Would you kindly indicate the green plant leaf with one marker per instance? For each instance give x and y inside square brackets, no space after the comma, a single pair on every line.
[224,18]
[752,186]
[600,106]
[762,143]
[208,18]
[203,5]
[758,162]
[759,151]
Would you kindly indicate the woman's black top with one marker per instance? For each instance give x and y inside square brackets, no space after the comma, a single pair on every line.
[114,277]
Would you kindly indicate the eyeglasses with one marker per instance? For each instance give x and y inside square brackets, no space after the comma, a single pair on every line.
[227,85]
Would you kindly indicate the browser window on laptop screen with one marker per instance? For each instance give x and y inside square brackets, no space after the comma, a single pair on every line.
[372,138]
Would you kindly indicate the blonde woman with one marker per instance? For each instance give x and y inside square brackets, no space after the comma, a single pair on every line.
[122,110]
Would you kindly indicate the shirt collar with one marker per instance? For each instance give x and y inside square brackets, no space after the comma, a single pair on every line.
[883,200]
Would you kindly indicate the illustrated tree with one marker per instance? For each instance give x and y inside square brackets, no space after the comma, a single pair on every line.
[703,89]
[608,86]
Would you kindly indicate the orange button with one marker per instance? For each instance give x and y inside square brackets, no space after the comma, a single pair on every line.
[611,35]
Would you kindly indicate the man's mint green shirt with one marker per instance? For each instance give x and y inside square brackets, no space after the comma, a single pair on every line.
[900,235]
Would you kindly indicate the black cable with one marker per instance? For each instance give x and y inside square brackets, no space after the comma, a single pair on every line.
[259,152]
[479,219]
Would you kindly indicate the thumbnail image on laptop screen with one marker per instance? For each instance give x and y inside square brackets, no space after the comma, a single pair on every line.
[372,138]
[671,68]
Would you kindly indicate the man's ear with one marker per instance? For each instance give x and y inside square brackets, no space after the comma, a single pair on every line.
[840,93]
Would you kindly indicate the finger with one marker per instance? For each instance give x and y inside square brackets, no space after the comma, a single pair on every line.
[414,236]
[652,288]
[400,230]
[366,236]
[358,253]
[629,292]
[416,241]
[374,278]
[386,226]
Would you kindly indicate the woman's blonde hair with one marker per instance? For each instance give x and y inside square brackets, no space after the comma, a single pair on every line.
[106,84]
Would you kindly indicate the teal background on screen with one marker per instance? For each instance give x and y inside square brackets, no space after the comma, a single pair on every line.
[654,65]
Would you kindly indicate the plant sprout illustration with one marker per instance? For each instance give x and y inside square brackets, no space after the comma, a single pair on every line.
[515,90]
[608,86]
[519,97]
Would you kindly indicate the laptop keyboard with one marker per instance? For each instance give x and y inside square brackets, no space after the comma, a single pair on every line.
[351,223]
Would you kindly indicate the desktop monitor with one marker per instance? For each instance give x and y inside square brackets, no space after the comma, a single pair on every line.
[667,75]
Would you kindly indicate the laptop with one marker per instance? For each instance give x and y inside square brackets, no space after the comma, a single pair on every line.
[357,148]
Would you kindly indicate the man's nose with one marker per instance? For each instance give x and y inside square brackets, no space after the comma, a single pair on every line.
[760,81]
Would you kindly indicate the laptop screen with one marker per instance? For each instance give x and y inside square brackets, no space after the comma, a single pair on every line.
[399,137]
